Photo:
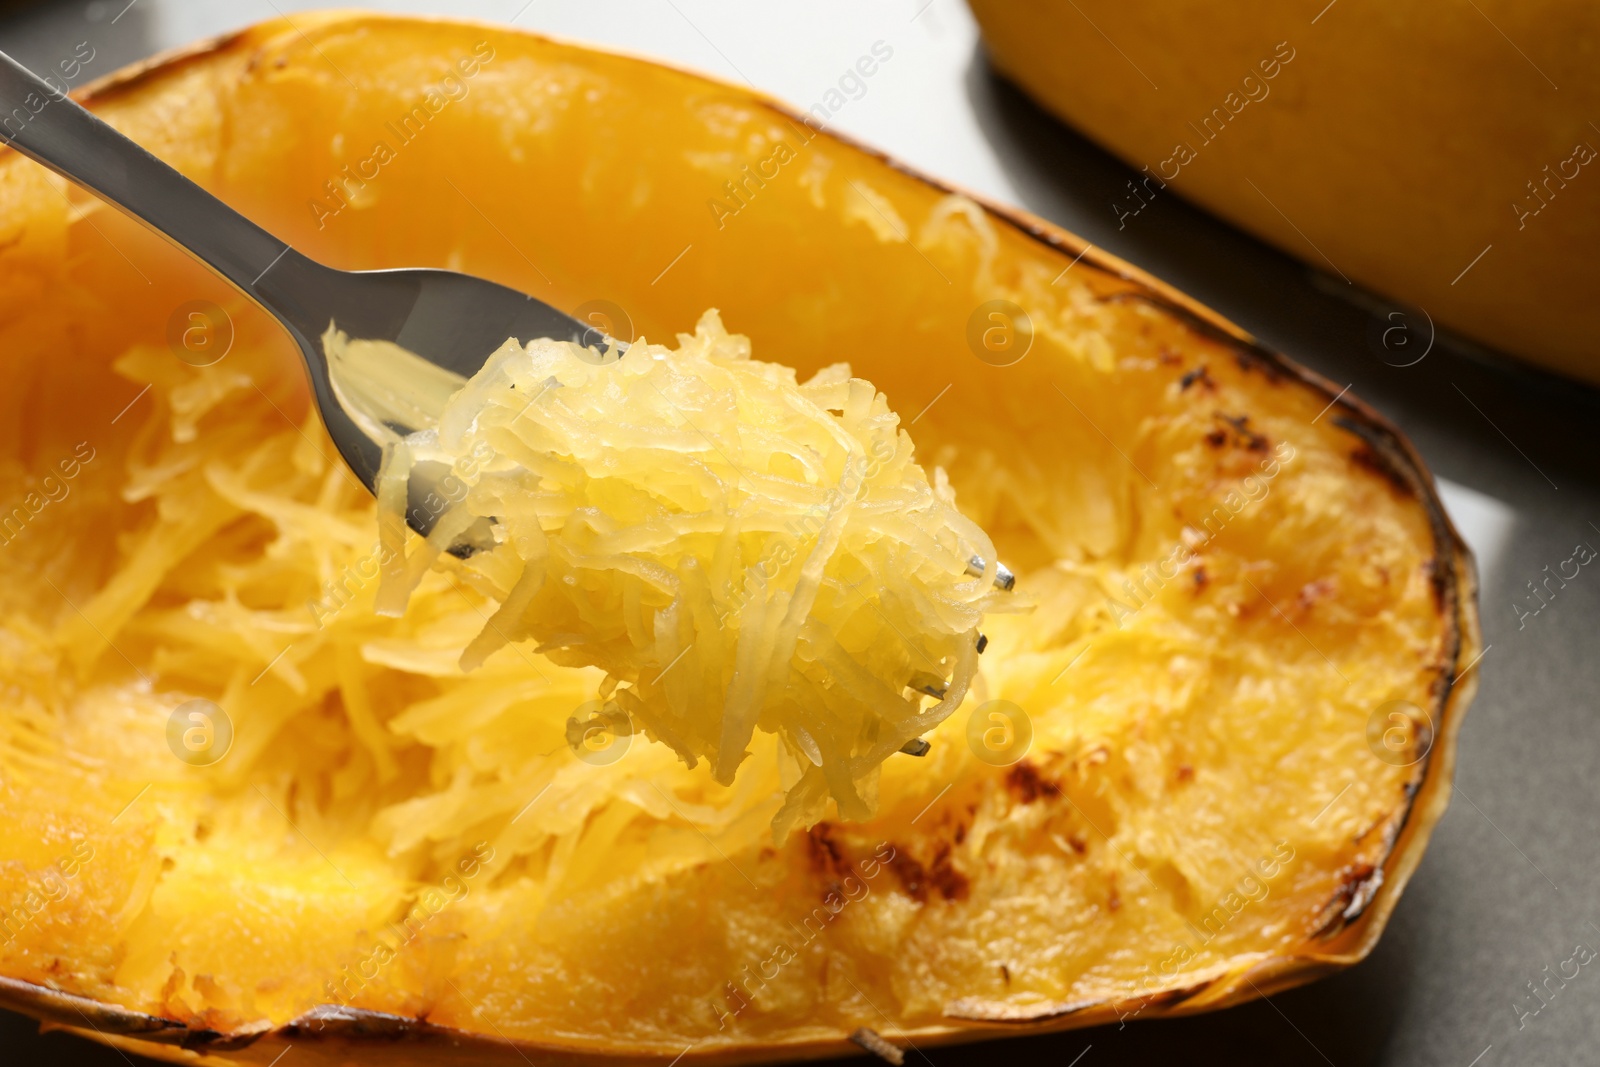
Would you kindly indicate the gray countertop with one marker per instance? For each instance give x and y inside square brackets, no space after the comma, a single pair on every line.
[1508,885]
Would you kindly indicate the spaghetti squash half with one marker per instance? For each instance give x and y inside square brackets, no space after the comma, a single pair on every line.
[242,810]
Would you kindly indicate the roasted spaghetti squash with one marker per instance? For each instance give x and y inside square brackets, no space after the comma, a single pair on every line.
[242,810]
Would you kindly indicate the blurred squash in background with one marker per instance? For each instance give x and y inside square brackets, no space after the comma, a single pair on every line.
[1439,154]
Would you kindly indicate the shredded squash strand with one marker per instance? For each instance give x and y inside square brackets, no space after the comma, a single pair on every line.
[736,550]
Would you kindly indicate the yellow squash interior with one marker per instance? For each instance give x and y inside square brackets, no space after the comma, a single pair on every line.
[1202,793]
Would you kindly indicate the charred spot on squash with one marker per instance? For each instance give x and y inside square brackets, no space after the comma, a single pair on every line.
[1249,356]
[940,874]
[1075,843]
[1241,433]
[1376,454]
[1378,464]
[825,854]
[1251,360]
[1441,679]
[1439,580]
[1201,375]
[1025,783]
[1358,884]
[951,883]
[913,878]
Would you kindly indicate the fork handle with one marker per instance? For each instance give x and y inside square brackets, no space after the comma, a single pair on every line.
[44,124]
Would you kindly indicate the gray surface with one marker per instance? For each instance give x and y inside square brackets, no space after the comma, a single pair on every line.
[1508,884]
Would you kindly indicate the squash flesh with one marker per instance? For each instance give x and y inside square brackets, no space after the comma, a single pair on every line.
[768,543]
[1080,875]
